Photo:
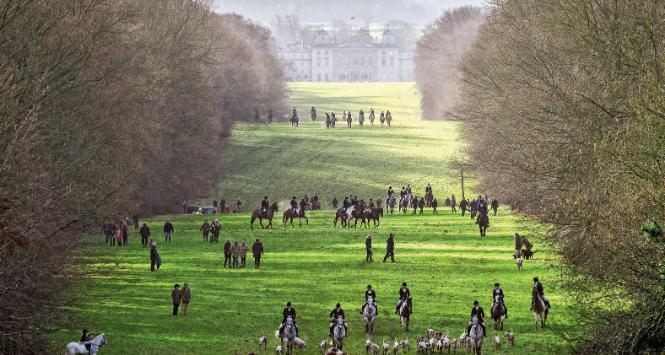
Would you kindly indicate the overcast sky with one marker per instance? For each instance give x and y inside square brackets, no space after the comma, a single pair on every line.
[420,12]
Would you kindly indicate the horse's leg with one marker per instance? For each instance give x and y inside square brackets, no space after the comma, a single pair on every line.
[291,221]
[251,224]
[261,223]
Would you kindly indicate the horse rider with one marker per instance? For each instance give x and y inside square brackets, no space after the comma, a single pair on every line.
[369,293]
[286,313]
[378,202]
[294,205]
[349,119]
[264,205]
[541,292]
[404,294]
[428,188]
[382,118]
[86,337]
[371,116]
[334,315]
[402,193]
[408,189]
[238,203]
[480,313]
[346,204]
[354,201]
[390,192]
[303,204]
[498,292]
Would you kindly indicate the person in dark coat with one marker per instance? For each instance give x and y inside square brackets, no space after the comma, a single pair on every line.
[390,248]
[369,293]
[154,256]
[168,230]
[495,205]
[125,232]
[346,204]
[477,311]
[335,202]
[541,292]
[205,230]
[186,297]
[86,337]
[145,234]
[215,229]
[294,205]
[222,206]
[287,312]
[498,292]
[257,252]
[269,116]
[404,293]
[176,296]
[473,207]
[265,204]
[227,253]
[453,204]
[368,248]
[435,204]
[414,205]
[463,206]
[421,205]
[349,119]
[334,315]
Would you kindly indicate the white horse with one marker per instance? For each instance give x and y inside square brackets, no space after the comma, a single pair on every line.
[288,335]
[476,335]
[339,333]
[75,347]
[369,315]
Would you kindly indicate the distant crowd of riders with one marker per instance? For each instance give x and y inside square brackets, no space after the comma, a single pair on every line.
[331,119]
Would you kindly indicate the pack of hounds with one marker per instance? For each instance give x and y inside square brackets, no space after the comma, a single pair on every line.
[431,343]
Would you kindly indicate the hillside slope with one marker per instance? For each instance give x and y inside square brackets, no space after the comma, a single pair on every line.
[282,161]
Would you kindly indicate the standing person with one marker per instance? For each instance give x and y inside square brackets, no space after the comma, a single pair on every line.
[118,234]
[327,120]
[215,228]
[390,248]
[368,248]
[222,206]
[135,219]
[168,230]
[270,116]
[214,205]
[257,252]
[108,230]
[227,253]
[145,234]
[333,120]
[176,296]
[154,256]
[453,204]
[463,205]
[414,204]
[238,204]
[186,297]
[382,118]
[335,202]
[473,208]
[184,207]
[434,205]
[235,253]
[495,205]
[243,254]
[205,230]
[389,117]
[518,245]
[421,205]
[349,119]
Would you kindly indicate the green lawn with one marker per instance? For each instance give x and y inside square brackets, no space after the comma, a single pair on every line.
[442,258]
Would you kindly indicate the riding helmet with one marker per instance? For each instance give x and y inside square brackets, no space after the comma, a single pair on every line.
[535,279]
[288,304]
[369,286]
[475,303]
[404,284]
[338,305]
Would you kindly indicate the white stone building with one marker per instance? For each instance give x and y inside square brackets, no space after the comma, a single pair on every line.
[359,58]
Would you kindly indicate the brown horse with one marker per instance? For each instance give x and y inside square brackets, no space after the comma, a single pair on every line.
[340,214]
[357,213]
[290,214]
[483,223]
[268,215]
[540,308]
[374,215]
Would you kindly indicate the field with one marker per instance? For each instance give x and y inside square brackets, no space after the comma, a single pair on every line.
[441,256]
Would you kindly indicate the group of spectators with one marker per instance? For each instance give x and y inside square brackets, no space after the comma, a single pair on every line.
[235,255]
[118,233]
[390,248]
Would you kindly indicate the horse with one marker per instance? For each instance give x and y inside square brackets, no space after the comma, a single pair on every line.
[404,313]
[289,215]
[288,335]
[340,214]
[369,315]
[268,215]
[483,223]
[294,120]
[476,336]
[391,204]
[339,333]
[498,313]
[540,308]
[75,347]
[404,204]
[428,198]
[373,214]
[357,213]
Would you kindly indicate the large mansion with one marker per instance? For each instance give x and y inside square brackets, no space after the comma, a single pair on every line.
[359,58]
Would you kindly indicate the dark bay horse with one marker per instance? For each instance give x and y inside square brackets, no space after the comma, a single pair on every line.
[483,223]
[498,313]
[405,313]
[540,308]
[268,215]
[290,214]
[374,215]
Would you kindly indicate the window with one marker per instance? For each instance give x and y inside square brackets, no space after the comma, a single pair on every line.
[326,61]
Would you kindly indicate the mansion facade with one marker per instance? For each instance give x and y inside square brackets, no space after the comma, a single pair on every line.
[358,58]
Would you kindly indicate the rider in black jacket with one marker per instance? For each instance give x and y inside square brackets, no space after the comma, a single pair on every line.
[334,315]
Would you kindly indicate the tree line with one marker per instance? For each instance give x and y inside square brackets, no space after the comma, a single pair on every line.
[110,108]
[564,116]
